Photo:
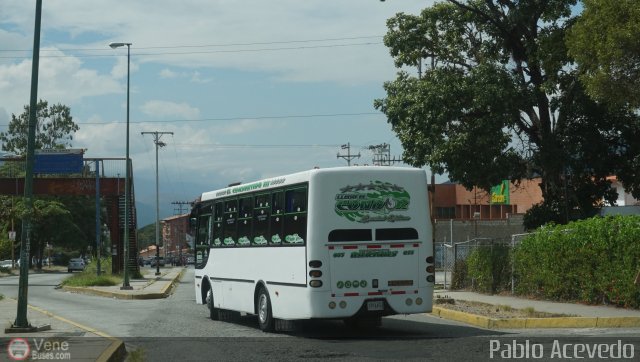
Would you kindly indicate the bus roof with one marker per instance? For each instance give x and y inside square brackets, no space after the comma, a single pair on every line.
[295,178]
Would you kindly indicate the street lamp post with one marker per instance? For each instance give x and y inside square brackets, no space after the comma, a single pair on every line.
[156,139]
[125,282]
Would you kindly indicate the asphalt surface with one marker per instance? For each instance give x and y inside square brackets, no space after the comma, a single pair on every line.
[90,344]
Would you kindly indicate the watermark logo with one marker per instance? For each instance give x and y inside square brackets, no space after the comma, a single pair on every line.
[528,350]
[18,349]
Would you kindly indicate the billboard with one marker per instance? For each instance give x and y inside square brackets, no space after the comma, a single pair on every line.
[500,193]
[58,161]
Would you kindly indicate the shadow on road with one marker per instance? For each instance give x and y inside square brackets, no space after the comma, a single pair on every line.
[397,328]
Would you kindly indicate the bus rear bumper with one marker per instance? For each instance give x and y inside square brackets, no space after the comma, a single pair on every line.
[351,305]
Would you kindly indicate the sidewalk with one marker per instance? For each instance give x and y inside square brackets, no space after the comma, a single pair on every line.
[85,343]
[586,316]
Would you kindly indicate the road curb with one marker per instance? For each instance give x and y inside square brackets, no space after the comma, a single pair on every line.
[166,291]
[163,293]
[115,352]
[523,323]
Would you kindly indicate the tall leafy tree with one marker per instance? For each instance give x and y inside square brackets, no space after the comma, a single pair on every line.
[605,42]
[495,97]
[51,223]
[55,129]
[55,219]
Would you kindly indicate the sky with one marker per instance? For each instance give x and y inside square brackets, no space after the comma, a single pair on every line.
[250,89]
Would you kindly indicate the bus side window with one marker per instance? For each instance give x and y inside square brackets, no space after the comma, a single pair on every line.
[296,200]
[261,212]
[204,226]
[295,220]
[277,214]
[245,218]
[218,217]
[230,225]
[203,235]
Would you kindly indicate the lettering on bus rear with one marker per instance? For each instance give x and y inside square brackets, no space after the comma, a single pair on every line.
[376,201]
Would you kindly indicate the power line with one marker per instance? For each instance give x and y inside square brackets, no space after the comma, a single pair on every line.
[348,156]
[219,145]
[382,155]
[178,209]
[204,45]
[200,52]
[238,118]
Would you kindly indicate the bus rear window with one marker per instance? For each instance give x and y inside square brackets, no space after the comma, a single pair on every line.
[350,235]
[396,234]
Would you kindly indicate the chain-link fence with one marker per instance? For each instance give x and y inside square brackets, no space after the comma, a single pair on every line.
[455,263]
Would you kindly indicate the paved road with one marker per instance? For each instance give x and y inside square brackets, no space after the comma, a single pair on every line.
[176,328]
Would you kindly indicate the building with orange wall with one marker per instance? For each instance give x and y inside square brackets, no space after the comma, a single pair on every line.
[454,201]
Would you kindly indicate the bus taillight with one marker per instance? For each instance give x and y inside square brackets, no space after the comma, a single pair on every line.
[315,273]
[431,269]
[315,263]
[430,259]
[315,283]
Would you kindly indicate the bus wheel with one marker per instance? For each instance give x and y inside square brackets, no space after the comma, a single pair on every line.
[265,317]
[213,311]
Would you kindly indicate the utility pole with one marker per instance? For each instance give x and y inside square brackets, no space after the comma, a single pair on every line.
[21,323]
[178,209]
[348,156]
[382,155]
[156,139]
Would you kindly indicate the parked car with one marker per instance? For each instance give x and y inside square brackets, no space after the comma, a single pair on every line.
[5,264]
[76,264]
[156,262]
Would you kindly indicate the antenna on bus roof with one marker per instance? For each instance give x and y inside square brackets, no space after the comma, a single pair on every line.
[234,184]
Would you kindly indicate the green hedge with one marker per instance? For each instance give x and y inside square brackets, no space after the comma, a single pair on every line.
[593,261]
[489,268]
[460,277]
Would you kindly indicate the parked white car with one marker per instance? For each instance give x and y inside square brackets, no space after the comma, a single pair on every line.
[5,264]
[76,264]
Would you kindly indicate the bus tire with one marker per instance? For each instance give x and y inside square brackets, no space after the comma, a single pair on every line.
[265,316]
[213,311]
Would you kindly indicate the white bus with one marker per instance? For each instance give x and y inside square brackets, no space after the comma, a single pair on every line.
[352,243]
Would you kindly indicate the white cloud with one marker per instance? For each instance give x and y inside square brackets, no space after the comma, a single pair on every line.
[177,33]
[100,140]
[158,108]
[168,73]
[196,77]
[4,116]
[119,70]
[61,79]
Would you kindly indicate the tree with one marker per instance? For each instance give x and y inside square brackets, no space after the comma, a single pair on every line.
[8,213]
[605,42]
[54,129]
[54,219]
[49,221]
[495,97]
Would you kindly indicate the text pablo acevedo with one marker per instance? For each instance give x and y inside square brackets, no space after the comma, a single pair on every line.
[529,350]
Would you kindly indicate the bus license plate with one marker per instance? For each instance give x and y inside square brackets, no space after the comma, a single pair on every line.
[375,305]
